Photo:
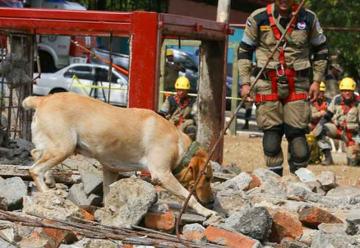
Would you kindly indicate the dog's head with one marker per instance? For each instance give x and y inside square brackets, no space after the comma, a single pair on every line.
[188,176]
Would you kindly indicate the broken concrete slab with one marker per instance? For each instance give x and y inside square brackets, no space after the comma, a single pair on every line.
[13,190]
[353,222]
[305,175]
[194,233]
[334,240]
[51,204]
[253,222]
[229,201]
[240,182]
[78,196]
[91,178]
[327,180]
[127,202]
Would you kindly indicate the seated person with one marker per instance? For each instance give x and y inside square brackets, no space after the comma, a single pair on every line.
[341,120]
[318,110]
[179,108]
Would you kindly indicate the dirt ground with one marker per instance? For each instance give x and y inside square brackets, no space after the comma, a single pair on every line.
[246,152]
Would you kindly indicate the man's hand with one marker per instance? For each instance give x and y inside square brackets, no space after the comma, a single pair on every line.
[245,90]
[314,91]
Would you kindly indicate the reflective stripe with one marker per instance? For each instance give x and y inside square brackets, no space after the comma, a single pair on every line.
[275,167]
[247,40]
[76,83]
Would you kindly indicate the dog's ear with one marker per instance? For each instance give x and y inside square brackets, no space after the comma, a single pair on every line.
[197,163]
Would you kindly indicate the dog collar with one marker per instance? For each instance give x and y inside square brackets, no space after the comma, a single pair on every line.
[193,148]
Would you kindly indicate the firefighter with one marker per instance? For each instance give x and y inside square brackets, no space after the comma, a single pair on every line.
[179,108]
[341,120]
[281,94]
[318,110]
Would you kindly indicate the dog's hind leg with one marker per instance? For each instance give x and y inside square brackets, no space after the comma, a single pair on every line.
[47,160]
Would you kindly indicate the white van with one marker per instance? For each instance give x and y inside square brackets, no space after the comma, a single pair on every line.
[57,51]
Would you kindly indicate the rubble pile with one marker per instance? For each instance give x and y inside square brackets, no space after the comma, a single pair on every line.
[259,209]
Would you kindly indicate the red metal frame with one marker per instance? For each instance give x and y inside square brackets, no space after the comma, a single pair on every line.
[146,30]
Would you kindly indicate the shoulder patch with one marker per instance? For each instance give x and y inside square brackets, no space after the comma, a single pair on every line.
[265,28]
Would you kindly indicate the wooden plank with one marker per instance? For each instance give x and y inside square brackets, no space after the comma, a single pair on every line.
[66,177]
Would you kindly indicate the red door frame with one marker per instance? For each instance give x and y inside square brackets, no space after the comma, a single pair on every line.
[146,30]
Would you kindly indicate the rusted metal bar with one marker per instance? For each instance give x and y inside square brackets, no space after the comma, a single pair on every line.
[96,230]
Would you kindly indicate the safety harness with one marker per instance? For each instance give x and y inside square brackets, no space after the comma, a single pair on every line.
[282,72]
[342,129]
[319,107]
[176,102]
[193,148]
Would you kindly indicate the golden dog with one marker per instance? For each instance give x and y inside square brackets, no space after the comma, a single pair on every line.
[122,139]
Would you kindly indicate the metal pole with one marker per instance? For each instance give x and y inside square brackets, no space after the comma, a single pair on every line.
[232,118]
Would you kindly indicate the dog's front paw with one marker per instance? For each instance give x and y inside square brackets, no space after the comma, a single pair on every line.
[214,220]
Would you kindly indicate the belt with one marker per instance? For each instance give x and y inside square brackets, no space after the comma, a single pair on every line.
[265,74]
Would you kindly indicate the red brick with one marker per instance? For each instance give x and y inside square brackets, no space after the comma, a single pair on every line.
[313,217]
[160,221]
[87,215]
[255,182]
[285,225]
[227,238]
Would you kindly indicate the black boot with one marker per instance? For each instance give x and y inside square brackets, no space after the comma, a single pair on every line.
[246,125]
[328,157]
[277,169]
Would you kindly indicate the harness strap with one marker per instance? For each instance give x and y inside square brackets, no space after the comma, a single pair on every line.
[273,97]
[193,148]
[278,31]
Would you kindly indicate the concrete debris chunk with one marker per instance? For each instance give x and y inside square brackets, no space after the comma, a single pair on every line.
[194,233]
[127,202]
[353,222]
[6,244]
[51,204]
[13,190]
[344,191]
[305,175]
[253,222]
[91,178]
[327,180]
[339,228]
[229,201]
[78,196]
[240,182]
[334,240]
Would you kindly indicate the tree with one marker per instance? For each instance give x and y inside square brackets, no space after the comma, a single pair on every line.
[340,13]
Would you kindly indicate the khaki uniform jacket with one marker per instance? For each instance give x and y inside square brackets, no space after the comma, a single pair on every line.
[306,39]
[345,116]
[176,114]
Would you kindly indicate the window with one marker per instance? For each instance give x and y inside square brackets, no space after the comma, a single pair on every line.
[82,72]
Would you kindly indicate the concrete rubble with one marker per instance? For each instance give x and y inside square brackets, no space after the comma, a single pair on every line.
[258,209]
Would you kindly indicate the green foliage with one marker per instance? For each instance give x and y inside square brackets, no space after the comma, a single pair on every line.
[340,13]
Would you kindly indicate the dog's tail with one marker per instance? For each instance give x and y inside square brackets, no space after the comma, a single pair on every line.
[32,102]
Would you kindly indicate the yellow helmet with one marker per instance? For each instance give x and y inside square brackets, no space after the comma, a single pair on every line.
[169,52]
[182,83]
[347,84]
[322,87]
